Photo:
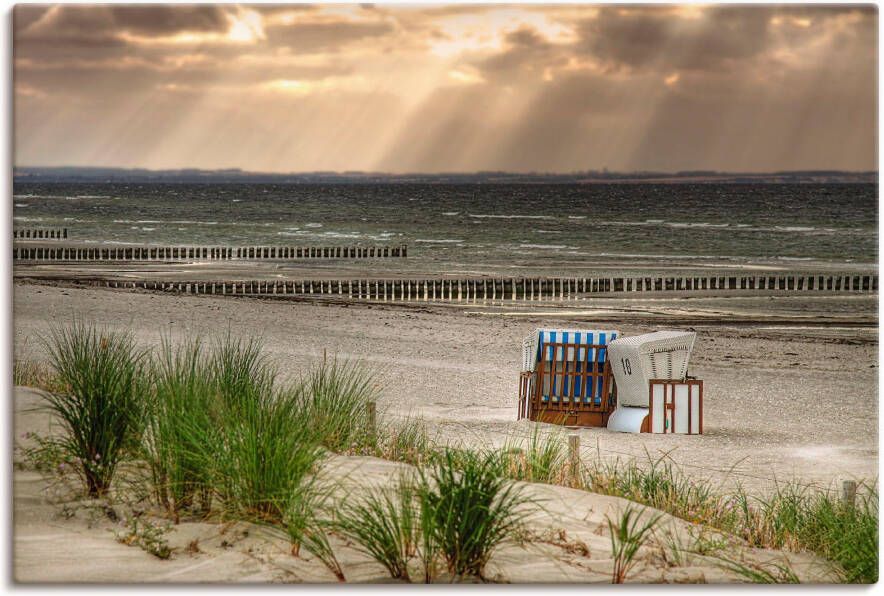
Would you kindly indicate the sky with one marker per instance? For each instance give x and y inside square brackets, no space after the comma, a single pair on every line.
[444,88]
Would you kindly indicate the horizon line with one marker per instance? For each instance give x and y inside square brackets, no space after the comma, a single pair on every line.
[593,172]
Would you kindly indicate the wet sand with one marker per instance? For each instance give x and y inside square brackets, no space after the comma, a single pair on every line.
[786,398]
[427,261]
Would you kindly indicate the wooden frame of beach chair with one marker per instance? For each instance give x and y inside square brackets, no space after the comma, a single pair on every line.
[572,385]
[666,416]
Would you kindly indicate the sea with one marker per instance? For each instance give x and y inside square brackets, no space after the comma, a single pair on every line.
[459,227]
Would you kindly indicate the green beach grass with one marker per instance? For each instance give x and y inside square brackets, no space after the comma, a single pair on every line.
[101,406]
[793,517]
[385,524]
[180,426]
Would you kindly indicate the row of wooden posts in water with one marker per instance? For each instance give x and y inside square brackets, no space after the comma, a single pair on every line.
[482,289]
[203,253]
[40,234]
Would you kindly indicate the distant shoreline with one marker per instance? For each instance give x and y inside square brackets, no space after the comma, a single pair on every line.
[70,175]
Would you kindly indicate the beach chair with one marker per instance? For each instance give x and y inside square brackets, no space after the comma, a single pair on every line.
[653,391]
[566,378]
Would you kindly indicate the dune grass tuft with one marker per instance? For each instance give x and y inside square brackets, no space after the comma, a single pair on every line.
[660,484]
[101,400]
[469,507]
[628,535]
[264,447]
[384,524]
[451,516]
[406,441]
[540,458]
[334,397]
[180,426]
[222,426]
[221,423]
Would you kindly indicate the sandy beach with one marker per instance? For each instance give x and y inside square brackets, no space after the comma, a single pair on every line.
[786,400]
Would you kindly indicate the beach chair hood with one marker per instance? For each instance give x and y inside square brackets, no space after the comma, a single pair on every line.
[531,345]
[637,359]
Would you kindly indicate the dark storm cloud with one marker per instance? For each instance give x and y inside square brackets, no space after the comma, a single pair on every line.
[80,52]
[169,19]
[95,32]
[651,38]
[719,37]
[527,54]
[274,9]
[24,15]
[63,29]
[319,36]
[69,21]
[659,39]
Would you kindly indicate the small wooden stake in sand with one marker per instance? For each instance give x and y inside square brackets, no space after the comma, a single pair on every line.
[372,410]
[848,493]
[574,454]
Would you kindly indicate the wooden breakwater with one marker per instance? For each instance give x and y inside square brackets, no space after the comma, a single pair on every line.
[40,234]
[76,254]
[503,289]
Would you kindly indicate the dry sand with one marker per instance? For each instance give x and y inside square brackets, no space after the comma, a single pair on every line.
[61,539]
[782,401]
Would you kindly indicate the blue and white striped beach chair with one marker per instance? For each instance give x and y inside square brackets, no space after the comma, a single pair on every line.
[566,377]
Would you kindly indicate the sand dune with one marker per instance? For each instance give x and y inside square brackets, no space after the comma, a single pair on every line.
[59,538]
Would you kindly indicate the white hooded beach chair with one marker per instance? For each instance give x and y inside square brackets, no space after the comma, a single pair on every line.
[565,376]
[649,371]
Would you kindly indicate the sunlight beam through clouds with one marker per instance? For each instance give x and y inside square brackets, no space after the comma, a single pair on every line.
[446,87]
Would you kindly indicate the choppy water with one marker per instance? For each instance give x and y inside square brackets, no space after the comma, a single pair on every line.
[471,224]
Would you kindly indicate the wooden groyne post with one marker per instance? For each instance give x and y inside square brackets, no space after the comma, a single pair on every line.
[574,457]
[372,420]
[40,234]
[848,493]
[203,253]
[470,291]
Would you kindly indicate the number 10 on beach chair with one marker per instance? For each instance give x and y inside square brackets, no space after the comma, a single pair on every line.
[566,377]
